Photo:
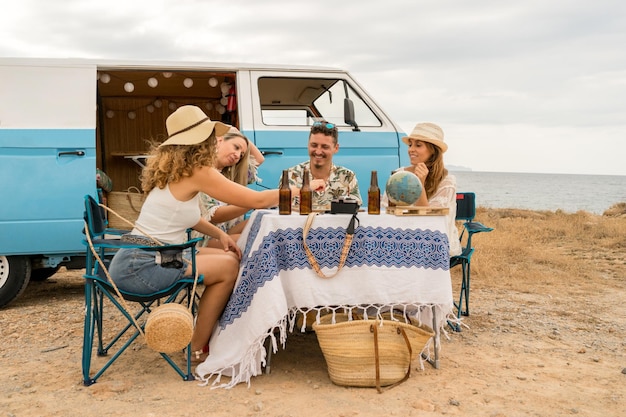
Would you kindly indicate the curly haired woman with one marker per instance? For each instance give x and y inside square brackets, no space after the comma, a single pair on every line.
[176,172]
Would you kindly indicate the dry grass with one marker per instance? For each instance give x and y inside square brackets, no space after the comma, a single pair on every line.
[530,250]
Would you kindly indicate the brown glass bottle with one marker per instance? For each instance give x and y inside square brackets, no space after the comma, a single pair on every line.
[284,195]
[306,194]
[373,195]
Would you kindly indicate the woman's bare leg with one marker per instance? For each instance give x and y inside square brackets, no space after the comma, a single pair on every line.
[220,273]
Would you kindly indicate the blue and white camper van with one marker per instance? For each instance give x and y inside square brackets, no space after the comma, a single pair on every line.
[61,119]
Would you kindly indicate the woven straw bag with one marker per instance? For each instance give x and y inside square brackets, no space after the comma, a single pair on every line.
[127,204]
[169,328]
[369,353]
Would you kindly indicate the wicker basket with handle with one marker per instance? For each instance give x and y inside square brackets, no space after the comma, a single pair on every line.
[127,204]
[369,353]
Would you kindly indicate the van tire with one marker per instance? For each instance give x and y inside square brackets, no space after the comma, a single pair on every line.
[14,277]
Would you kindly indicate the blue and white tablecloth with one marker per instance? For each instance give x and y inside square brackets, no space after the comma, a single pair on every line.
[398,262]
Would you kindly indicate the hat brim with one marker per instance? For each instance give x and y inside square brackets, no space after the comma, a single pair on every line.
[438,143]
[198,134]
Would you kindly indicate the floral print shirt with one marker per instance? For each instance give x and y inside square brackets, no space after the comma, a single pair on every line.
[342,182]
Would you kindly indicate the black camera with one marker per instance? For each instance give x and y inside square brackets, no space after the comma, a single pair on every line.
[344,205]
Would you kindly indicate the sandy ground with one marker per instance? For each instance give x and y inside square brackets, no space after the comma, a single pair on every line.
[557,350]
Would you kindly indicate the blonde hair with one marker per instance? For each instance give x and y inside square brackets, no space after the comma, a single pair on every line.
[239,172]
[171,163]
[436,170]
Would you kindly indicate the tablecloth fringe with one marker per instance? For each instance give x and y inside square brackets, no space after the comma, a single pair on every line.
[251,365]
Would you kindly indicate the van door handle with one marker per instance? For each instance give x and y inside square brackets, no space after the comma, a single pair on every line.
[76,153]
[271,153]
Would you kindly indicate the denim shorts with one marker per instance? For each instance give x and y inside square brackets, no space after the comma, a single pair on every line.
[135,271]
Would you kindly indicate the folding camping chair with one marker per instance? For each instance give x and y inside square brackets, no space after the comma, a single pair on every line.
[465,212]
[98,290]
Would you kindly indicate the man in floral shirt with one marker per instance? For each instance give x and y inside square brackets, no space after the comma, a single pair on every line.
[328,181]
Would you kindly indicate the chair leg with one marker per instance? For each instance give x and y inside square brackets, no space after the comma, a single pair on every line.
[467,291]
[88,332]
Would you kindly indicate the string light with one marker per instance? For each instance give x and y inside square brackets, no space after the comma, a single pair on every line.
[214,104]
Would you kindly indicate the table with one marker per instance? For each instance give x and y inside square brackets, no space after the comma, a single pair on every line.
[394,262]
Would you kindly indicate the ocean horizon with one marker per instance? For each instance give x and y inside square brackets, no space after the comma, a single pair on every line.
[534,191]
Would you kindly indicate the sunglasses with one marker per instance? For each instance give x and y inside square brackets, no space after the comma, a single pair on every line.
[326,125]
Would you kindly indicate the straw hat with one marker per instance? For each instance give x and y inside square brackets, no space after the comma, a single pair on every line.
[427,132]
[188,125]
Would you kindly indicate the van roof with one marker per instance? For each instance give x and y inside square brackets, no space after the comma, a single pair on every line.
[109,64]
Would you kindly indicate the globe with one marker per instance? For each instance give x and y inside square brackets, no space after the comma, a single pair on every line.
[403,188]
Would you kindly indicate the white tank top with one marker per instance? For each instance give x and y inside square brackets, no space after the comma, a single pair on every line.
[165,218]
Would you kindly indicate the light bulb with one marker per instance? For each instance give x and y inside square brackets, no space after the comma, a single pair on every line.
[158,103]
[224,101]
[209,106]
[188,82]
[221,109]
[213,82]
[150,108]
[167,75]
[110,114]
[129,87]
[153,82]
[225,88]
[172,106]
[132,115]
[105,78]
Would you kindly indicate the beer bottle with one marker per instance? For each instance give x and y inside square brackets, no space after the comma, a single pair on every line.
[373,195]
[306,194]
[284,195]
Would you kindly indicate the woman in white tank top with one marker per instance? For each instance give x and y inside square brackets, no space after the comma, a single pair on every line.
[176,171]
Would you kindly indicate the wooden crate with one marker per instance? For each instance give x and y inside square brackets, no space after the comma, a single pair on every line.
[417,211]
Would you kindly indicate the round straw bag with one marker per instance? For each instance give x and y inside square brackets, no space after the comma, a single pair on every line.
[369,353]
[169,328]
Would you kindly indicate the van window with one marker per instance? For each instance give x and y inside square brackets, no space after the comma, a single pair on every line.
[289,101]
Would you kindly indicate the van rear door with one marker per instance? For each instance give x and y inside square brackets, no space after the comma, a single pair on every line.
[286,103]
[47,154]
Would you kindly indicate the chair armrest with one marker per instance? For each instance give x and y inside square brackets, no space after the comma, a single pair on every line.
[477,227]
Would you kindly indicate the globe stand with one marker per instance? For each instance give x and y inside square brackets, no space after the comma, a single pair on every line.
[417,211]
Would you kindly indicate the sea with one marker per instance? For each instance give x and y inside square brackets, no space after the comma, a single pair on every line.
[566,192]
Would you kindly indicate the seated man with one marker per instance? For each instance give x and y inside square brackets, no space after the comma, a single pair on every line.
[328,181]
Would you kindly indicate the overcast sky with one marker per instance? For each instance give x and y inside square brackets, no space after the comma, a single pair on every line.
[517,86]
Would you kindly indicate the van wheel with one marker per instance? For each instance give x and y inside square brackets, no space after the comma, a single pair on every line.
[14,277]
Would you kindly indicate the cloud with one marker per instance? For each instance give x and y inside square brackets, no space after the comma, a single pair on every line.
[554,70]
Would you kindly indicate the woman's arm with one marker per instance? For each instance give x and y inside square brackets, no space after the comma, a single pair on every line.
[228,212]
[210,181]
[256,154]
[212,230]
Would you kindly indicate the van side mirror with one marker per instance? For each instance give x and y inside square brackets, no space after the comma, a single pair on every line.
[348,114]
